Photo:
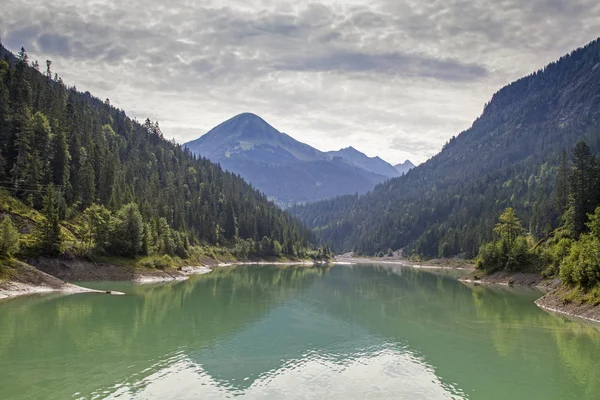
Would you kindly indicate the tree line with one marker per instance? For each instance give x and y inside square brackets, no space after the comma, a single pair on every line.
[118,184]
[571,251]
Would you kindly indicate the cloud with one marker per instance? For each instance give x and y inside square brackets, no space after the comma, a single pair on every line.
[401,64]
[54,44]
[391,78]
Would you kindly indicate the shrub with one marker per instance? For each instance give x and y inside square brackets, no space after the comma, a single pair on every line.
[502,255]
[164,262]
[554,254]
[582,266]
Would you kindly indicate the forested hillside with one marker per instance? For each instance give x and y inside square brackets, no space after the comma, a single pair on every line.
[117,184]
[508,158]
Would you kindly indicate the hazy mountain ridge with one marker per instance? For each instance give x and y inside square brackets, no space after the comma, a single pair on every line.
[285,169]
[404,167]
[372,164]
[449,204]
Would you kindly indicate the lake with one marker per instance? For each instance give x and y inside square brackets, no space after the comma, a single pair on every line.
[341,332]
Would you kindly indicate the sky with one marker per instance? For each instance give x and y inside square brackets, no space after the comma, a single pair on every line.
[394,78]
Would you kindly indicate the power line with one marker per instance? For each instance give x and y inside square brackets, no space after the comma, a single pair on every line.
[19,189]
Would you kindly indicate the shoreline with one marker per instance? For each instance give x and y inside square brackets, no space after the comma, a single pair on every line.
[16,289]
[552,289]
[54,275]
[459,264]
[26,280]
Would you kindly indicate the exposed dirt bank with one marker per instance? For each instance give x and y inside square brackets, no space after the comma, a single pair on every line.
[78,270]
[21,279]
[554,302]
[53,274]
[530,279]
[453,263]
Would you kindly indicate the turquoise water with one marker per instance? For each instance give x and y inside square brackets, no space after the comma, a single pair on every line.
[342,332]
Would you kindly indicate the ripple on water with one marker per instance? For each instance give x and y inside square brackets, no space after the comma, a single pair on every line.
[387,372]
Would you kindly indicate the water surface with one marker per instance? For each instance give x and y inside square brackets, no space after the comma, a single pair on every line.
[343,332]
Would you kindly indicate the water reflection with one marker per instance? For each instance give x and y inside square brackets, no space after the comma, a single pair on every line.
[362,331]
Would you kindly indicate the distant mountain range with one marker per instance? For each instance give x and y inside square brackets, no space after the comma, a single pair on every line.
[404,167]
[286,170]
[372,164]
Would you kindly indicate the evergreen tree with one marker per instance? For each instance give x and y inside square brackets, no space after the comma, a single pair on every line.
[583,196]
[87,180]
[562,184]
[128,231]
[59,164]
[51,237]
[97,220]
[9,238]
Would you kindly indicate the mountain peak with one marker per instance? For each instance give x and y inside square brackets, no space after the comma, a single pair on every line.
[372,164]
[404,167]
[247,121]
[242,127]
[246,116]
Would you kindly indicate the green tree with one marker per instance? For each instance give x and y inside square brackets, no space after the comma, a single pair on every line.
[97,227]
[509,226]
[87,179]
[562,184]
[128,231]
[51,237]
[582,199]
[9,238]
[594,223]
[59,164]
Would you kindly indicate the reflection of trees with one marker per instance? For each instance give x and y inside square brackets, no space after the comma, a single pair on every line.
[578,347]
[478,338]
[482,339]
[65,341]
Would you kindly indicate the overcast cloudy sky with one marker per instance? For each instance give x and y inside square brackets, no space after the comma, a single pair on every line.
[395,78]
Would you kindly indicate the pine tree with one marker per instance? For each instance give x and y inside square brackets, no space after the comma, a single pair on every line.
[582,199]
[23,171]
[59,164]
[87,180]
[128,231]
[9,238]
[562,184]
[51,237]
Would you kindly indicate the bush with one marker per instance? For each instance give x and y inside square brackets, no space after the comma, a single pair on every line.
[554,254]
[502,255]
[582,266]
[519,256]
[490,257]
[164,262]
